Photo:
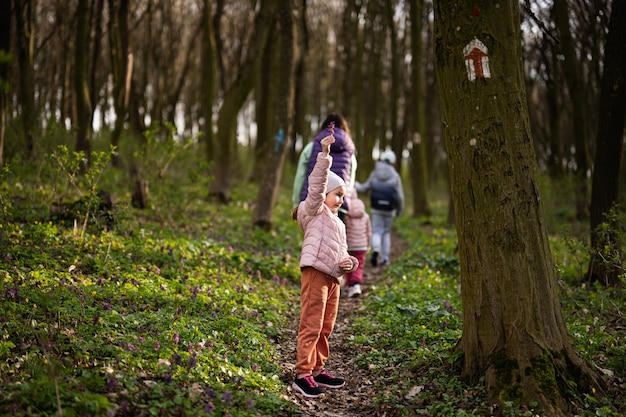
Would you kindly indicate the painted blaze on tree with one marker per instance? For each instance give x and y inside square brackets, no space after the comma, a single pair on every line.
[514,333]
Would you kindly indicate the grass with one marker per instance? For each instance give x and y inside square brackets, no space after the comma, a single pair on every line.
[176,310]
[167,313]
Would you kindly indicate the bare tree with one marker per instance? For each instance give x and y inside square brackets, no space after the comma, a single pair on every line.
[416,119]
[26,28]
[84,108]
[514,334]
[121,67]
[208,78]
[373,97]
[607,267]
[397,142]
[355,81]
[281,93]
[234,98]
[5,46]
[300,127]
[573,77]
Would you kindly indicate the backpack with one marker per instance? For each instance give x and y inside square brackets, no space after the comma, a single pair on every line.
[383,197]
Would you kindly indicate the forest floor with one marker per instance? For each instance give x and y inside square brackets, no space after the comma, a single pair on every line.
[355,399]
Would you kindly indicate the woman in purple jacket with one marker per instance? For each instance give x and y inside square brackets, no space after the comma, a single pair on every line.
[342,153]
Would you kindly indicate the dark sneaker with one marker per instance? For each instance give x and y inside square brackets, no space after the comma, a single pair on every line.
[374,259]
[326,380]
[307,387]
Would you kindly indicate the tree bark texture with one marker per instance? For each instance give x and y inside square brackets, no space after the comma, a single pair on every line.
[609,149]
[300,127]
[353,91]
[513,329]
[281,93]
[84,111]
[417,117]
[119,42]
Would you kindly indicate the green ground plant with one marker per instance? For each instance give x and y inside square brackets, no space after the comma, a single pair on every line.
[413,323]
[145,318]
[181,314]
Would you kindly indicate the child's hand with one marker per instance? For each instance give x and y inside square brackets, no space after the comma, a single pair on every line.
[326,142]
[346,265]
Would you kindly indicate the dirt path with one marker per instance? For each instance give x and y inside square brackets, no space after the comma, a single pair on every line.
[355,399]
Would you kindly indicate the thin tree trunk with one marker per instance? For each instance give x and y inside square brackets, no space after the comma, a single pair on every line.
[555,107]
[219,62]
[234,98]
[5,45]
[84,112]
[610,141]
[25,22]
[417,118]
[173,98]
[282,93]
[576,88]
[397,142]
[300,127]
[96,19]
[372,96]
[120,68]
[352,70]
[514,334]
[265,91]
[208,80]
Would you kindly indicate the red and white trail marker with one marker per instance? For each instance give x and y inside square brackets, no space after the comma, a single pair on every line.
[476,60]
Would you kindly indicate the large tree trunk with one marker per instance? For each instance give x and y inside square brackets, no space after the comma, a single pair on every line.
[234,98]
[417,118]
[84,111]
[514,334]
[576,88]
[610,140]
[281,92]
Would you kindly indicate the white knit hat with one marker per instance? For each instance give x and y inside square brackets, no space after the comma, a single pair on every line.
[388,156]
[334,181]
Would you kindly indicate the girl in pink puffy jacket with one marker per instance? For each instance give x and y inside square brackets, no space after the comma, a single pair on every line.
[324,260]
[358,236]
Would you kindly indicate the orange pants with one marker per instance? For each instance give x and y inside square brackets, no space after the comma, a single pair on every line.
[319,301]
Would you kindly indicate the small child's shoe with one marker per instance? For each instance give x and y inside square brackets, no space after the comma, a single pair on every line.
[307,386]
[326,380]
[354,290]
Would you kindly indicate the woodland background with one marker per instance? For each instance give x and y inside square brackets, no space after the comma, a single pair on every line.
[94,73]
[105,89]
